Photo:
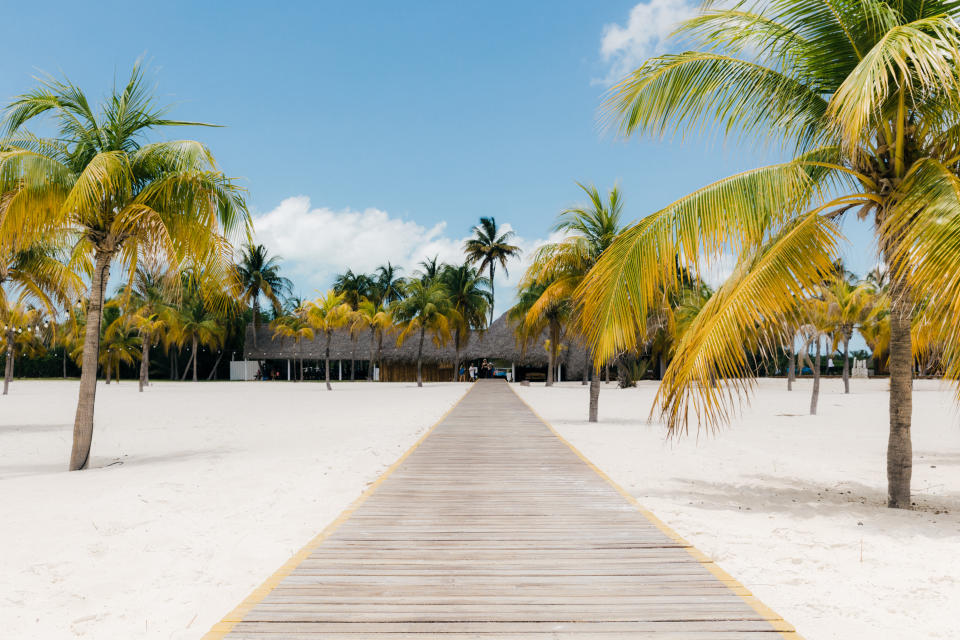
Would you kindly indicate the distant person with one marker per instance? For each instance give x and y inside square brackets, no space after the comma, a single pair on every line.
[485,369]
[829,366]
[473,373]
[460,374]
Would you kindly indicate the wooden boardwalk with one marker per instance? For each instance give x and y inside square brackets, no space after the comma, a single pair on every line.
[492,528]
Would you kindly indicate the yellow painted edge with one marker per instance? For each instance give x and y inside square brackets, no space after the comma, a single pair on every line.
[779,624]
[229,621]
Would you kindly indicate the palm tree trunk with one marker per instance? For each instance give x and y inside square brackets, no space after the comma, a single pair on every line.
[791,369]
[899,445]
[373,335]
[586,367]
[83,421]
[107,369]
[420,358]
[846,362]
[456,355]
[594,394]
[174,366]
[216,363]
[186,368]
[195,358]
[662,361]
[353,358]
[492,298]
[144,360]
[8,369]
[815,396]
[256,317]
[326,366]
[554,339]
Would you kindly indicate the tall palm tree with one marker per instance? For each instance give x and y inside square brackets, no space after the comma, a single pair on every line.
[551,315]
[151,292]
[865,91]
[848,305]
[294,325]
[424,309]
[198,323]
[119,196]
[21,334]
[488,247]
[326,314]
[469,296]
[257,276]
[354,287]
[430,270]
[372,316]
[561,266]
[387,285]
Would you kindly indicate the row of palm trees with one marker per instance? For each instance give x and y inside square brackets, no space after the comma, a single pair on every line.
[441,301]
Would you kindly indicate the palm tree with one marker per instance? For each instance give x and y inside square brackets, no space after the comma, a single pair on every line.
[121,197]
[150,292]
[354,287]
[373,316]
[865,91]
[121,339]
[489,246]
[326,314]
[562,266]
[425,309]
[198,322]
[21,334]
[297,326]
[848,305]
[430,269]
[469,296]
[387,285]
[257,276]
[536,312]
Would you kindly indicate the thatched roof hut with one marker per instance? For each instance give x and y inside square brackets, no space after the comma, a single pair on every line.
[497,343]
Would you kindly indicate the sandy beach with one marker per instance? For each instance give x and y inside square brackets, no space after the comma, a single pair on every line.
[198,492]
[793,505]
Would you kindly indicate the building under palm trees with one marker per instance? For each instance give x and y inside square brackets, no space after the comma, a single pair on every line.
[498,345]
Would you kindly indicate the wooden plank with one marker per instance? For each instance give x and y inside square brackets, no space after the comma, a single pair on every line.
[494,528]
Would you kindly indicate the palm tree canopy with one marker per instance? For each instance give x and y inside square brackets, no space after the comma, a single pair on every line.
[489,246]
[258,274]
[388,285]
[865,91]
[98,178]
[353,286]
[469,294]
[426,306]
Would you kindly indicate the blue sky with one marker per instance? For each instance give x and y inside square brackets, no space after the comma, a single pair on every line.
[369,131]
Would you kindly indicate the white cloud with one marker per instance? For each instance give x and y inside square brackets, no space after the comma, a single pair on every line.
[647,28]
[318,243]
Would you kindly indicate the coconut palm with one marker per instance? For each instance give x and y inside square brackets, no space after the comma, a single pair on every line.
[489,247]
[22,335]
[120,197]
[430,270]
[197,320]
[326,314]
[151,292]
[354,287]
[469,296]
[257,276]
[590,229]
[865,91]
[424,309]
[372,316]
[121,340]
[387,285]
[848,305]
[535,312]
[297,326]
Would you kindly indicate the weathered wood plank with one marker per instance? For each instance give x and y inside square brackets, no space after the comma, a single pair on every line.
[493,528]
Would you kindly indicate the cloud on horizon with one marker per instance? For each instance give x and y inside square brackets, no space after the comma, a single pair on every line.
[316,243]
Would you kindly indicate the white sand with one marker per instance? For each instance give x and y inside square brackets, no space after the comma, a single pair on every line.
[784,501]
[199,492]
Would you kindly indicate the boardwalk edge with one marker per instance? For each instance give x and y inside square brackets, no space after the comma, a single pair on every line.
[229,621]
[776,621]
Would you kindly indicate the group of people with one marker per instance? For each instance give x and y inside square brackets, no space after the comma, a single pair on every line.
[485,370]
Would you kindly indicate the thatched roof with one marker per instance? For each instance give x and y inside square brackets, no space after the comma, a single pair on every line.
[497,342]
